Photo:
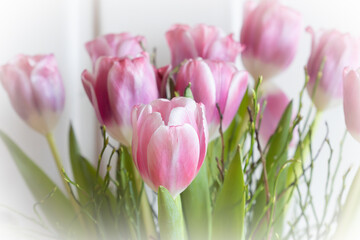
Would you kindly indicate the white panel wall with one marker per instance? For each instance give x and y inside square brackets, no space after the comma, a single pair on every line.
[41,27]
[62,26]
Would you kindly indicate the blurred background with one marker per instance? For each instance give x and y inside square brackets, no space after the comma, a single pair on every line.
[63,26]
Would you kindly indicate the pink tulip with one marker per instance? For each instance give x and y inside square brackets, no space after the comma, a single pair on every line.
[214,82]
[276,103]
[35,89]
[351,101]
[115,45]
[271,34]
[115,87]
[169,142]
[203,41]
[337,51]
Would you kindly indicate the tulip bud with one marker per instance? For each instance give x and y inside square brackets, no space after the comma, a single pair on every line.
[35,89]
[335,51]
[207,42]
[214,82]
[169,142]
[115,87]
[276,103]
[271,34]
[351,101]
[115,45]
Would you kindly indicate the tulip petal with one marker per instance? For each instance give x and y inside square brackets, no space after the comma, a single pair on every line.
[225,49]
[236,93]
[172,153]
[181,44]
[204,37]
[98,48]
[145,130]
[19,90]
[202,84]
[351,103]
[47,85]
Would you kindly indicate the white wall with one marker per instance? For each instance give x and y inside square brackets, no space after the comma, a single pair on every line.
[62,26]
[42,27]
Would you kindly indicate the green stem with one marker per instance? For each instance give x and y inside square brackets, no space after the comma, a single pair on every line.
[145,211]
[182,225]
[300,156]
[303,148]
[55,153]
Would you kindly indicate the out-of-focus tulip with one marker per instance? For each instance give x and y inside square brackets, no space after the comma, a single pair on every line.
[207,42]
[169,142]
[115,45]
[115,87]
[163,74]
[271,34]
[352,101]
[214,82]
[276,103]
[336,51]
[35,89]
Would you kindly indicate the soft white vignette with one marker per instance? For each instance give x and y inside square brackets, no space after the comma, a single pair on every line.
[62,27]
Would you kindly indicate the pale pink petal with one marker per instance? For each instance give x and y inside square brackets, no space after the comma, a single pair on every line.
[224,49]
[181,43]
[172,154]
[204,37]
[276,103]
[351,102]
[236,93]
[202,84]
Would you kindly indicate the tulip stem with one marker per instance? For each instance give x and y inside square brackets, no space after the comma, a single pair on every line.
[179,206]
[55,153]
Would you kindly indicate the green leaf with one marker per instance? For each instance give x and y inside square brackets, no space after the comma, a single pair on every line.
[170,216]
[99,204]
[56,207]
[238,126]
[197,207]
[279,141]
[84,172]
[188,92]
[229,209]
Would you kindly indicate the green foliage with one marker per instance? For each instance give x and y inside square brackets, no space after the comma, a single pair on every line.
[197,206]
[55,206]
[229,209]
[274,159]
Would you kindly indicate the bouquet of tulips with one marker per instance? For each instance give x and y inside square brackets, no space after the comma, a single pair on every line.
[194,149]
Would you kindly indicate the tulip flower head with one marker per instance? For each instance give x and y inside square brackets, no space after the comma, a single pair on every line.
[214,82]
[115,45]
[271,34]
[335,51]
[169,142]
[351,101]
[35,89]
[115,87]
[207,42]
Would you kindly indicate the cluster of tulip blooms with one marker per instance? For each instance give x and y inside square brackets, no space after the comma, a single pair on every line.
[189,130]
